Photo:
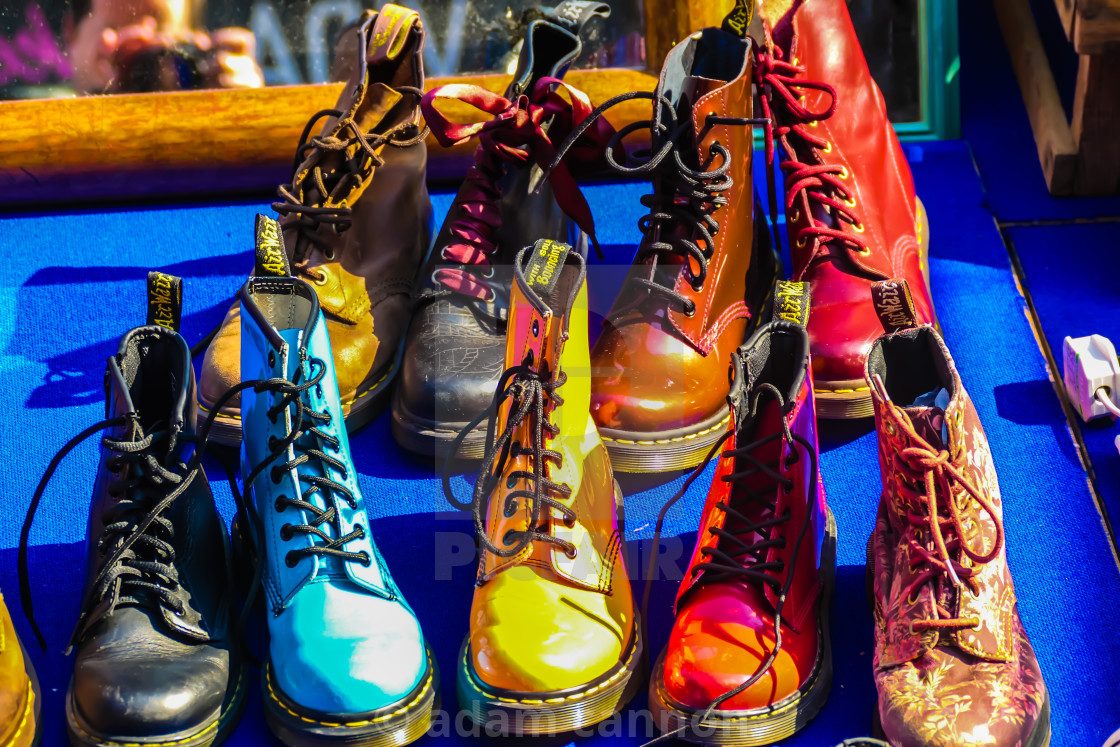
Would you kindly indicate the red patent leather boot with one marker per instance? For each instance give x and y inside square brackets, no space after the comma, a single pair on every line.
[751,631]
[851,212]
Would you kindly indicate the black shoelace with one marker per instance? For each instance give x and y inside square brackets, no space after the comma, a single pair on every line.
[682,197]
[529,391]
[136,542]
[734,555]
[308,217]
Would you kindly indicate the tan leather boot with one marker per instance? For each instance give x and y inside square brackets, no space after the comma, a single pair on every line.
[356,220]
[20,698]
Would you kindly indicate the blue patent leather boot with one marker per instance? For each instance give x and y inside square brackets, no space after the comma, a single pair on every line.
[347,662]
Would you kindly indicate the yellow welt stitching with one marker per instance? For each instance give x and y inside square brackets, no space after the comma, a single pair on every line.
[28,709]
[368,722]
[842,391]
[689,437]
[575,696]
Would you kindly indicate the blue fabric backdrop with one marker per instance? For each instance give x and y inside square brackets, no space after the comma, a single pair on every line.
[71,284]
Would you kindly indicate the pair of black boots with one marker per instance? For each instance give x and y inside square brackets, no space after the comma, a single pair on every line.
[156,653]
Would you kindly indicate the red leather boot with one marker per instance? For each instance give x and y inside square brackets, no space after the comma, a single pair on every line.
[750,640]
[851,212]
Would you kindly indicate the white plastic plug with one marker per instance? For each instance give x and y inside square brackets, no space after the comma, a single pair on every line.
[1091,375]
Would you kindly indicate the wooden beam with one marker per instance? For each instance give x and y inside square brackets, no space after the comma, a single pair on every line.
[1057,151]
[1096,26]
[1096,132]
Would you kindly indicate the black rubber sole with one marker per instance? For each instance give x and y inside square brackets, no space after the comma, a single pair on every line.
[394,726]
[760,726]
[213,732]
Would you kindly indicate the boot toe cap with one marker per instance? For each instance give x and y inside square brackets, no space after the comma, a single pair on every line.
[721,638]
[522,642]
[221,366]
[338,652]
[645,380]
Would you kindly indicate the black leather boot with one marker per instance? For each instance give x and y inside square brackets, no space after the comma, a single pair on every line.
[455,349]
[155,656]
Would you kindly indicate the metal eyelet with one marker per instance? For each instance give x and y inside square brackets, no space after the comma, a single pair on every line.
[510,509]
[911,600]
[320,278]
[329,255]
[889,425]
[795,217]
[813,123]
[570,554]
[536,328]
[276,475]
[529,359]
[271,359]
[864,252]
[801,243]
[859,227]
[690,310]
[281,502]
[506,539]
[827,147]
[850,201]
[290,560]
[286,532]
[367,561]
[511,481]
[844,173]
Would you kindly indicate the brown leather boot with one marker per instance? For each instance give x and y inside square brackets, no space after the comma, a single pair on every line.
[20,697]
[699,281]
[356,221]
[952,660]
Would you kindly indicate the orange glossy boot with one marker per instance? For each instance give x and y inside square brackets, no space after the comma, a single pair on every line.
[554,644]
[748,660]
[700,278]
[20,698]
[851,213]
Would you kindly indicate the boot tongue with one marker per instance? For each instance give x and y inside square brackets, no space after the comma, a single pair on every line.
[538,273]
[927,414]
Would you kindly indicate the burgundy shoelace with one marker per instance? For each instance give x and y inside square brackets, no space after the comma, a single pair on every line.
[520,132]
[933,469]
[783,87]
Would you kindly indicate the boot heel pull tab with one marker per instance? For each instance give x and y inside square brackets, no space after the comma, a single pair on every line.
[271,258]
[390,32]
[575,14]
[738,21]
[165,300]
[791,302]
[894,305]
[542,270]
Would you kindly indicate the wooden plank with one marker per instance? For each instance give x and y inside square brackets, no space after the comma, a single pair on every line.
[1096,27]
[1067,12]
[206,141]
[1096,112]
[1056,149]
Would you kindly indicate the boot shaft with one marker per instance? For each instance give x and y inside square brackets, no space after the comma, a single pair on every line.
[284,336]
[548,335]
[380,106]
[704,82]
[940,494]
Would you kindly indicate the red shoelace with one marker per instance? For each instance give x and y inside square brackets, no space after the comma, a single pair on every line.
[516,134]
[783,87]
[933,470]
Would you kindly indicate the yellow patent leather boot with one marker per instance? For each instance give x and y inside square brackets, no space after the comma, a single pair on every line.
[20,698]
[554,643]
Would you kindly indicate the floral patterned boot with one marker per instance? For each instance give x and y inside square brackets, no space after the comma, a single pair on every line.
[953,665]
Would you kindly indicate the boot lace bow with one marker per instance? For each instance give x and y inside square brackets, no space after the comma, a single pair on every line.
[519,132]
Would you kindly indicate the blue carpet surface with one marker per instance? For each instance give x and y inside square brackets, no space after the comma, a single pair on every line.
[71,284]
